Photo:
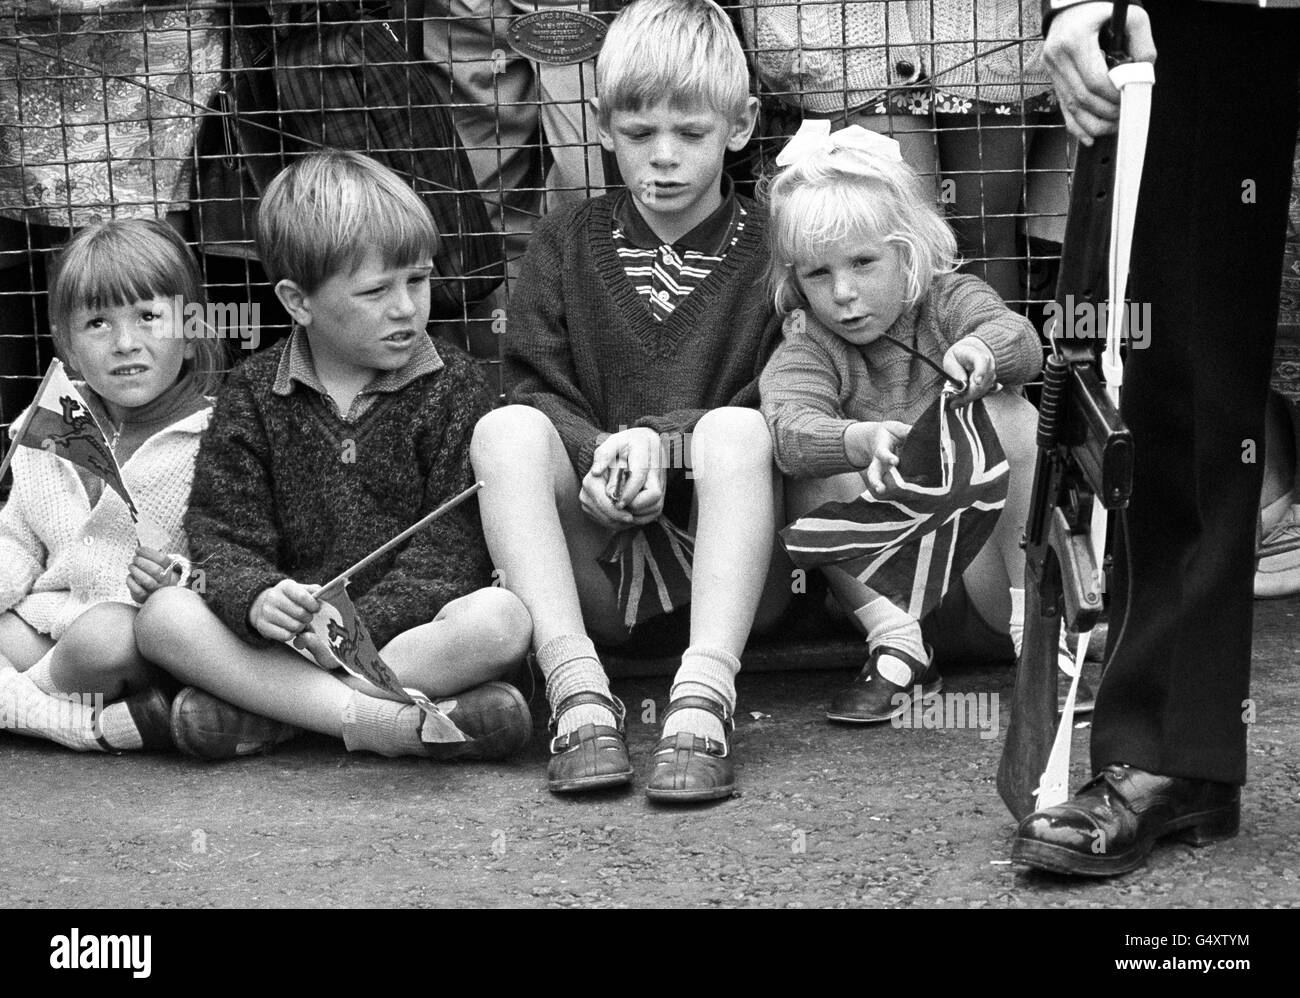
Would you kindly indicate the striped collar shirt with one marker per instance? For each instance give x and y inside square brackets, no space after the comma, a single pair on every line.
[665,274]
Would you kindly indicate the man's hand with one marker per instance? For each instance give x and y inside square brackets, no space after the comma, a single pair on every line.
[875,447]
[642,498]
[283,610]
[1072,52]
[970,360]
[150,571]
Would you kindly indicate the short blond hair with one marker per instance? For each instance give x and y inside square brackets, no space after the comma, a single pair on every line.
[682,51]
[831,196]
[321,215]
[124,261]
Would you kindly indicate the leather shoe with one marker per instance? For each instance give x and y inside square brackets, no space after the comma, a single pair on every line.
[871,698]
[1109,827]
[592,757]
[689,768]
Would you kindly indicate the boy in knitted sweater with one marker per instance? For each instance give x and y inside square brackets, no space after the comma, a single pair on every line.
[876,322]
[635,337]
[320,450]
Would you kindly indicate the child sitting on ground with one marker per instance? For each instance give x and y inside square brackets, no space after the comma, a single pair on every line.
[860,256]
[70,571]
[320,450]
[637,330]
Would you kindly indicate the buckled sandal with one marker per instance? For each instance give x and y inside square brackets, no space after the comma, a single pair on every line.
[871,698]
[592,756]
[687,767]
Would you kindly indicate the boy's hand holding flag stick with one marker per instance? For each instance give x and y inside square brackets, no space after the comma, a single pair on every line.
[337,636]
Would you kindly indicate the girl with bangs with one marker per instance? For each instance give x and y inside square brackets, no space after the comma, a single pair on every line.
[876,321]
[71,569]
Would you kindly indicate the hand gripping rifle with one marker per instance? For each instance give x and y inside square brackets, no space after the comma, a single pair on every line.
[1085,453]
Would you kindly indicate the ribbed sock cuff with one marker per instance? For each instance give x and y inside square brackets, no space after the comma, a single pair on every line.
[707,672]
[384,727]
[118,728]
[571,666]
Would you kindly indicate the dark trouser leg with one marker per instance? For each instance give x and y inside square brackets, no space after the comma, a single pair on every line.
[1207,258]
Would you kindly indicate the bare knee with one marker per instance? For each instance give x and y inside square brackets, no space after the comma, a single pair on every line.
[504,431]
[102,640]
[501,621]
[729,439]
[1016,422]
[165,621]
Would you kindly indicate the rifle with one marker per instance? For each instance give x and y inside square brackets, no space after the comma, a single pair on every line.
[1085,457]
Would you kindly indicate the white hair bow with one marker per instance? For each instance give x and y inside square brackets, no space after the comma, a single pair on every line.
[814,137]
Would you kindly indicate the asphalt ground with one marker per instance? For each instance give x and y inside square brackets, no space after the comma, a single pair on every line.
[825,816]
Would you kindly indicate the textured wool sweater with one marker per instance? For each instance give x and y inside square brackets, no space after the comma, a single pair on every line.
[285,488]
[62,551]
[817,384]
[582,346]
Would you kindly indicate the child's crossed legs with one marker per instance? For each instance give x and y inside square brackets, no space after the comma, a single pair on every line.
[53,689]
[471,641]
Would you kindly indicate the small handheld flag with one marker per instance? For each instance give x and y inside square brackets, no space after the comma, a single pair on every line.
[948,491]
[651,568]
[60,421]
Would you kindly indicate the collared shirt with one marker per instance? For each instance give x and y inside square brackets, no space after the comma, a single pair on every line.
[664,274]
[296,365]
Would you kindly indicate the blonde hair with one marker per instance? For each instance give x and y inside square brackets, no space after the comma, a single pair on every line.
[839,193]
[683,51]
[321,215]
[124,261]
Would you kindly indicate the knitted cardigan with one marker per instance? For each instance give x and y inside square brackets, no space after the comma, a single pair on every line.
[60,554]
[285,488]
[817,384]
[582,346]
[832,57]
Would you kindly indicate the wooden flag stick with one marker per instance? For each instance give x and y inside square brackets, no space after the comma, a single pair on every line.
[342,578]
[27,418]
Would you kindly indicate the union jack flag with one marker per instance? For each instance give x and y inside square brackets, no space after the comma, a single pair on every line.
[651,566]
[909,544]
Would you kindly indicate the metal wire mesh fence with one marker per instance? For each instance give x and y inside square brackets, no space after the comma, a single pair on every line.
[185,109]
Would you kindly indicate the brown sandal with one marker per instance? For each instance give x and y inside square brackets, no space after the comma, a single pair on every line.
[594,755]
[689,768]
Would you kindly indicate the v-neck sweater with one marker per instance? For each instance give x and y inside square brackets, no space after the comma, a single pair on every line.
[581,345]
[286,488]
[63,550]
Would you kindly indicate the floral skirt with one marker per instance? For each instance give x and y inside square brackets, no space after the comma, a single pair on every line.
[928,100]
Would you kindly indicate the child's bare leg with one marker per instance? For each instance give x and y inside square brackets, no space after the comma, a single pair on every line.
[472,640]
[61,695]
[737,495]
[545,550]
[21,645]
[176,630]
[97,654]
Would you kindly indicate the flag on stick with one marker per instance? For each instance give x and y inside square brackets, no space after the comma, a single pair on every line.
[59,421]
[341,630]
[943,502]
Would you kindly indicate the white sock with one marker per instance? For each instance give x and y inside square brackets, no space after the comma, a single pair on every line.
[40,674]
[1016,628]
[889,626]
[704,672]
[26,709]
[570,665]
[385,727]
